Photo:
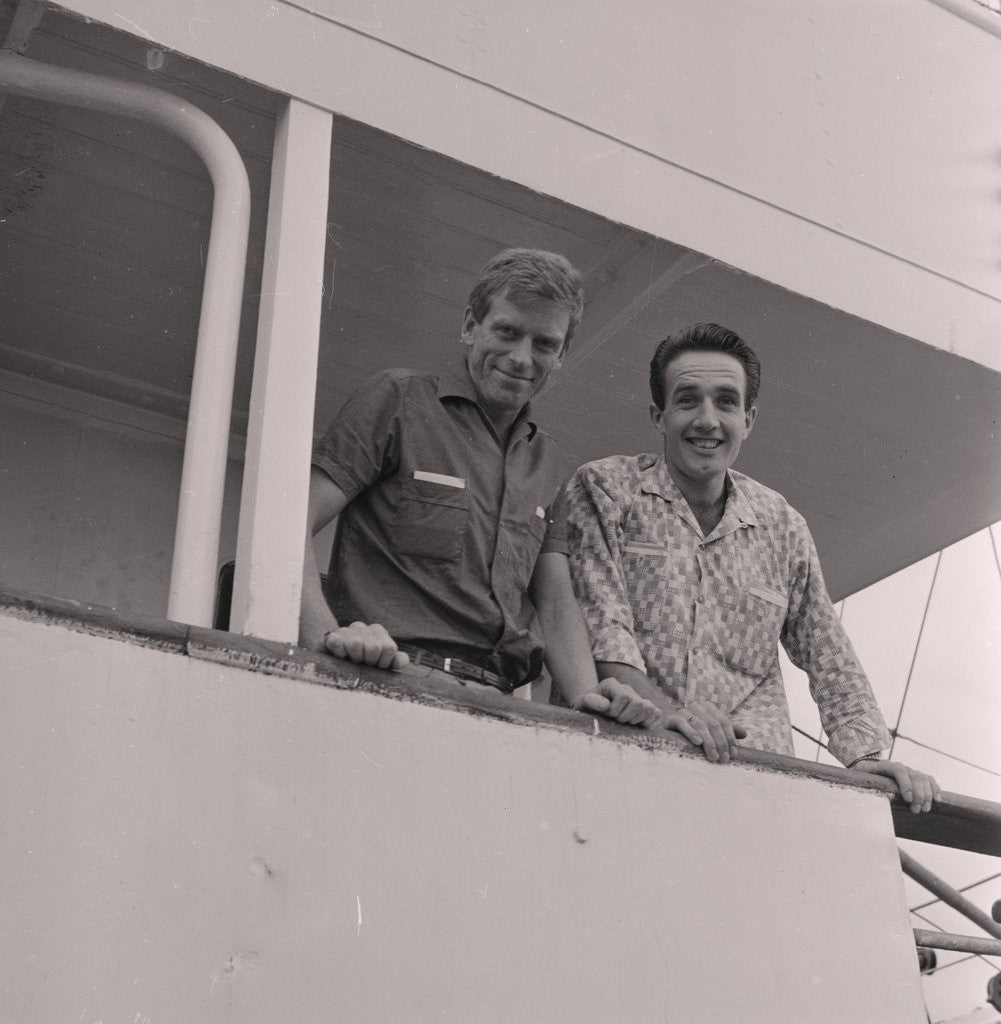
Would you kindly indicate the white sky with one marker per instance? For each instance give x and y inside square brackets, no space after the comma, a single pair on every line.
[941,645]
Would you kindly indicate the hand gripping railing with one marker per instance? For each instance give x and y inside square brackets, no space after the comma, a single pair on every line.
[199,513]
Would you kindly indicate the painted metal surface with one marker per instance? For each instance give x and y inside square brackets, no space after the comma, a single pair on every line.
[197,840]
[273,507]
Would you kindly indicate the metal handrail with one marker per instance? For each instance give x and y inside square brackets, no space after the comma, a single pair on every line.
[955,899]
[958,943]
[947,894]
[206,449]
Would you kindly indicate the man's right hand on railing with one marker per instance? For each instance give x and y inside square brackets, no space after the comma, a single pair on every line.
[365,643]
[917,789]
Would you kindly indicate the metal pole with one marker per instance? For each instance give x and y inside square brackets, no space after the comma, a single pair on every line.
[199,513]
[948,894]
[975,14]
[960,943]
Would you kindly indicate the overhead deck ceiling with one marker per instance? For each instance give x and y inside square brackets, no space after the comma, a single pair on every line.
[889,447]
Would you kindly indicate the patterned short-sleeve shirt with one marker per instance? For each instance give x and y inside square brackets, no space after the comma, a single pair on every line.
[703,616]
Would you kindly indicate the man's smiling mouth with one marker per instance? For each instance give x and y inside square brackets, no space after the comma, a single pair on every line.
[705,443]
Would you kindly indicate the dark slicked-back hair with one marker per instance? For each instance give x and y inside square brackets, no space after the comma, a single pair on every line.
[704,338]
[528,275]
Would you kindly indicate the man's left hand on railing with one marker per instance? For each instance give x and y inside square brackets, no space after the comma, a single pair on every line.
[917,789]
[619,701]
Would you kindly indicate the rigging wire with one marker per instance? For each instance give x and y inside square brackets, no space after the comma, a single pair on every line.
[914,656]
[972,885]
[953,757]
[952,963]
[813,739]
[997,560]
[961,960]
[895,732]
[969,764]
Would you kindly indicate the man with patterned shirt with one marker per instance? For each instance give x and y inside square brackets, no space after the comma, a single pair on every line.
[448,551]
[690,574]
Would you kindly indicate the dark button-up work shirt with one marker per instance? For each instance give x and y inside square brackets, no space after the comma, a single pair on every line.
[444,523]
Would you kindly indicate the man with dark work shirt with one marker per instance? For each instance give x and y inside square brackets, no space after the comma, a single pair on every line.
[451,548]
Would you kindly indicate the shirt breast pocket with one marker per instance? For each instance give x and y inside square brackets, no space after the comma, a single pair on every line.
[431,520]
[750,625]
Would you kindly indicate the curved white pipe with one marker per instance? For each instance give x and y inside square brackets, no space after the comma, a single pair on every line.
[973,12]
[199,514]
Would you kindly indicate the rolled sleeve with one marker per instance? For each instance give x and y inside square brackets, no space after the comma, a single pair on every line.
[360,446]
[555,540]
[866,734]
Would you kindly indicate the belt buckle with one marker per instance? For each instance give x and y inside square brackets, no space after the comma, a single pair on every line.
[468,673]
[456,667]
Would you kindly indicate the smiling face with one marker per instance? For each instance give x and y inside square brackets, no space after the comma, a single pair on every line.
[703,421]
[512,352]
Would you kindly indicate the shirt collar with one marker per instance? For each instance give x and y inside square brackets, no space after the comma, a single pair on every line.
[456,383]
[657,479]
[738,500]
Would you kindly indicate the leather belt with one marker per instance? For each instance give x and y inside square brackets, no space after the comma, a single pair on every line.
[455,667]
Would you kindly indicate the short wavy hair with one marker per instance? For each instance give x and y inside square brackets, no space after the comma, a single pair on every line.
[530,275]
[704,338]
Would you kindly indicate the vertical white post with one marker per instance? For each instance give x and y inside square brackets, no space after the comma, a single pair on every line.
[273,507]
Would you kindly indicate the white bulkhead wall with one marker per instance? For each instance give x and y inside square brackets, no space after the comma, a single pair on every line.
[198,842]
